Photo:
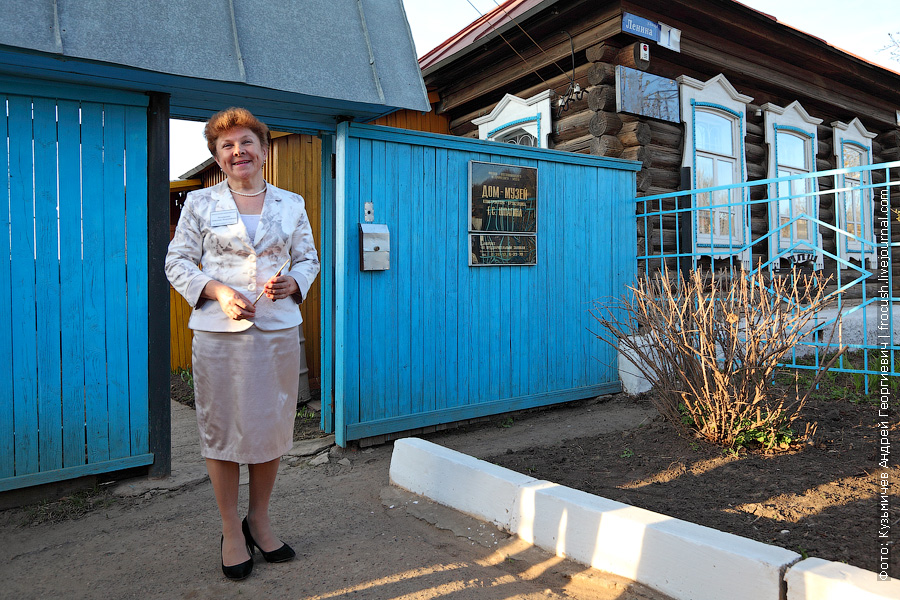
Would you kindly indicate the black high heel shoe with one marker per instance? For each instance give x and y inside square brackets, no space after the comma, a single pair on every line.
[283,554]
[239,571]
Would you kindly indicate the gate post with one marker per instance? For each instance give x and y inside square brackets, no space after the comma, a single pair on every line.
[160,411]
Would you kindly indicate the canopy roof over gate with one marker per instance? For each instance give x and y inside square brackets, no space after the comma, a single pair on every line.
[290,62]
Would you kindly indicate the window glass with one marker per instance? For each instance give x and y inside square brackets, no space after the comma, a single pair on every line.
[791,151]
[520,137]
[852,158]
[714,133]
[705,174]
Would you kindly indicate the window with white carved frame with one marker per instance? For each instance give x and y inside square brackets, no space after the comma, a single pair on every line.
[791,136]
[714,113]
[853,200]
[522,121]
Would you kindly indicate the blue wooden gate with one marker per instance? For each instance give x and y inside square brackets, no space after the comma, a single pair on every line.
[433,340]
[73,330]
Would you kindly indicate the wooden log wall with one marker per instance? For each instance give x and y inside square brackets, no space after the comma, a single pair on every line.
[592,125]
[657,145]
[756,156]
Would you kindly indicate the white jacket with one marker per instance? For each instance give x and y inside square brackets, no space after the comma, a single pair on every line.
[230,257]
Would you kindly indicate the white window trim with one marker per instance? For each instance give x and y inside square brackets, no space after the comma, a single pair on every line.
[717,95]
[792,118]
[532,115]
[854,133]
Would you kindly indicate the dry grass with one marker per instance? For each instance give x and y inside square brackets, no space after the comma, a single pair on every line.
[710,344]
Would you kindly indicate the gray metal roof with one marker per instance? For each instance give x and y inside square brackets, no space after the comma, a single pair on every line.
[328,57]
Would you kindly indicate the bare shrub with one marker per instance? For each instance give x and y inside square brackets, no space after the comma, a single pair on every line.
[711,345]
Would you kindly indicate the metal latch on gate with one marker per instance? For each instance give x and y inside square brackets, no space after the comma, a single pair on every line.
[374,247]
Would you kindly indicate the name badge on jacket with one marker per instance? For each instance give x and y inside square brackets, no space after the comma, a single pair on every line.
[223,217]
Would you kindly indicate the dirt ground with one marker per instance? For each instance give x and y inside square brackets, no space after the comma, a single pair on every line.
[355,536]
[358,537]
[819,500]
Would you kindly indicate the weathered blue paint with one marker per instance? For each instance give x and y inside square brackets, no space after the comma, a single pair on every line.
[71,289]
[433,340]
[24,320]
[74,348]
[7,411]
[47,289]
[136,216]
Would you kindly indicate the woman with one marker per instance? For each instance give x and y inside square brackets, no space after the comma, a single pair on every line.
[246,318]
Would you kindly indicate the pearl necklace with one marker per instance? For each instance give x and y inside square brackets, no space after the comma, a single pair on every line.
[233,191]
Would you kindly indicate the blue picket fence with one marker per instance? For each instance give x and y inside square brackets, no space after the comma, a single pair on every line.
[841,223]
[433,340]
[73,344]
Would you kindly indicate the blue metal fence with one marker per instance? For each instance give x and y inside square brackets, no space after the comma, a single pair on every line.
[842,223]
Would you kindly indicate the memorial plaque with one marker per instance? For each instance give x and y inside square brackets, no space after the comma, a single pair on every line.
[500,249]
[502,198]
[502,214]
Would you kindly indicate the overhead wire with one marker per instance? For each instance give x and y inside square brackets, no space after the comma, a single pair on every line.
[532,39]
[533,70]
[573,91]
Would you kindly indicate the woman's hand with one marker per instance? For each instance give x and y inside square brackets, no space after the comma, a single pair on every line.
[281,286]
[233,303]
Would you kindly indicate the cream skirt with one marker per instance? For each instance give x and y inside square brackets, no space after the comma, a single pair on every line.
[245,391]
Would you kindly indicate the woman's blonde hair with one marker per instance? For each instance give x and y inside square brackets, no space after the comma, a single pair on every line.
[230,118]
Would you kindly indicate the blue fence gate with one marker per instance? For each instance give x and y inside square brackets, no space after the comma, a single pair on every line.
[73,333]
[433,340]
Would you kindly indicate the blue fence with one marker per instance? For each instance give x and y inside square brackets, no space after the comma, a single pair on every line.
[843,224]
[433,340]
[73,342]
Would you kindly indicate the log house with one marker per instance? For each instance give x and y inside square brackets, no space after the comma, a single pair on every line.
[746,70]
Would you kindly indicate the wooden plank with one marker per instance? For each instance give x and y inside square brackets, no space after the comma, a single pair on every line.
[537,288]
[418,242]
[343,188]
[394,306]
[174,343]
[480,409]
[382,282]
[452,261]
[310,150]
[593,275]
[368,346]
[136,273]
[95,390]
[115,286]
[583,248]
[457,170]
[7,409]
[485,147]
[47,290]
[15,483]
[431,326]
[22,277]
[401,260]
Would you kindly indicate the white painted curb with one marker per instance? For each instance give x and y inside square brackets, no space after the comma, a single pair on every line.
[817,579]
[678,558]
[681,559]
[457,480]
